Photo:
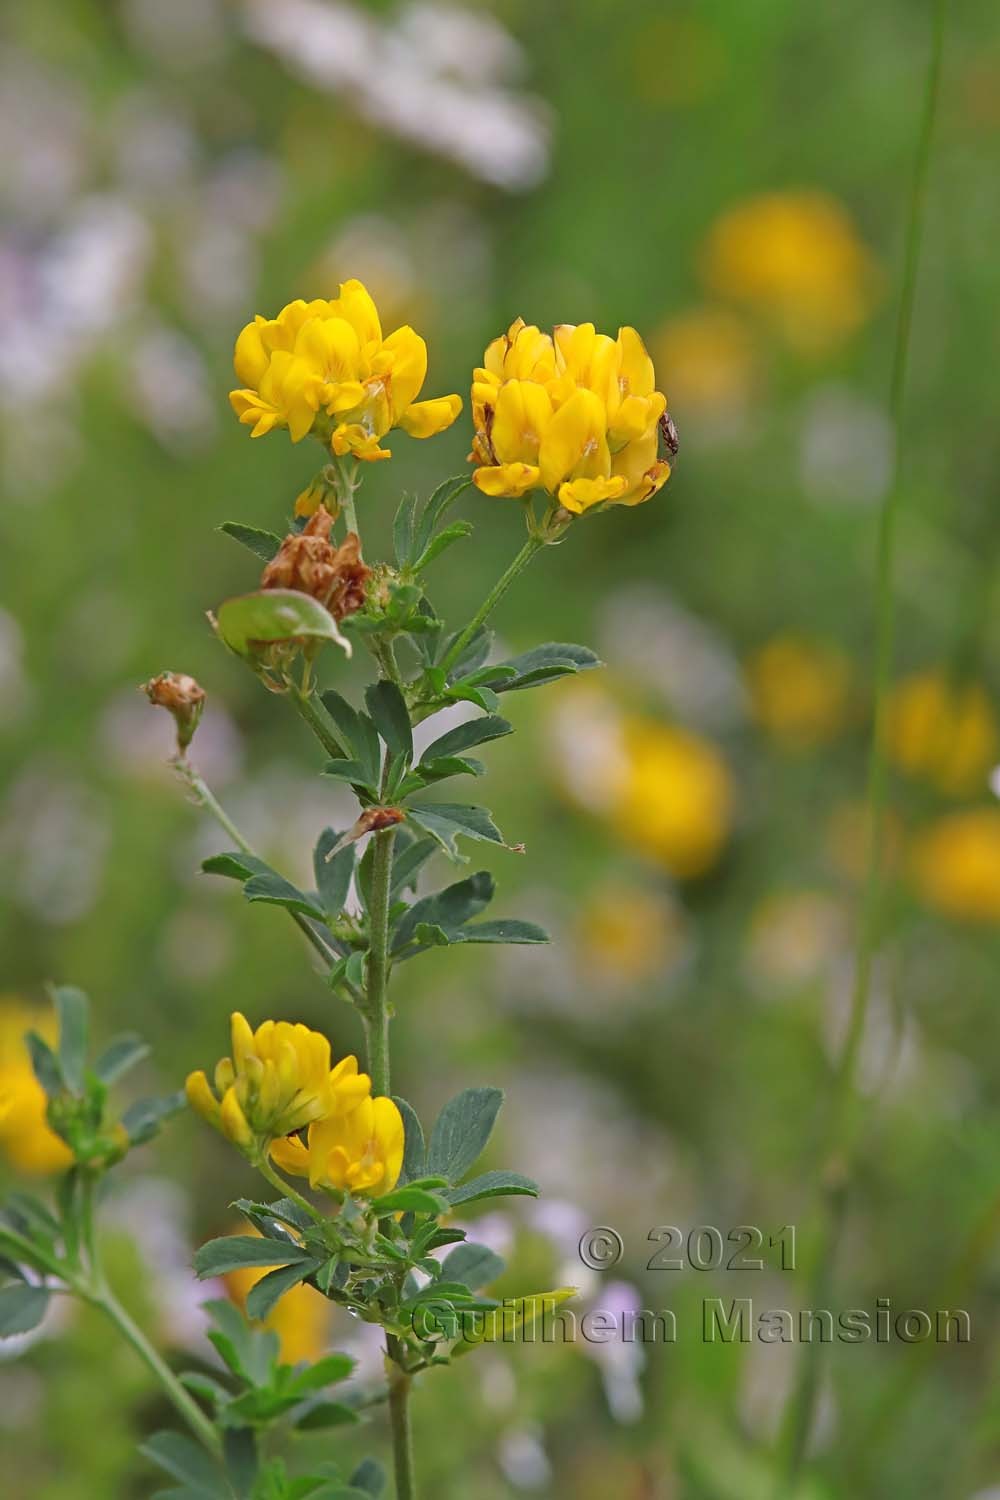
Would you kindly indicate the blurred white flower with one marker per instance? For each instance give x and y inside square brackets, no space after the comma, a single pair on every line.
[768,1375]
[621,1360]
[185,34]
[403,76]
[845,448]
[155,1214]
[522,1457]
[54,839]
[168,389]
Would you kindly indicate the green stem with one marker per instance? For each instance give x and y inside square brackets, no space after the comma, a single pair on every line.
[207,799]
[402,1434]
[305,706]
[185,1404]
[286,1190]
[376,1004]
[844,1125]
[532,545]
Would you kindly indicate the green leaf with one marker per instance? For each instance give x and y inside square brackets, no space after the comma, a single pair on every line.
[475,1265]
[369,1477]
[326,1414]
[275,615]
[356,731]
[545,664]
[265,1294]
[326,1371]
[402,530]
[235,866]
[239,1449]
[410,1200]
[447,821]
[437,505]
[234,1251]
[467,692]
[465,736]
[493,1185]
[184,1459]
[249,1352]
[502,930]
[391,717]
[45,1064]
[121,1054]
[275,890]
[408,861]
[507,1323]
[461,1132]
[351,771]
[444,539]
[447,909]
[22,1308]
[264,544]
[473,654]
[333,876]
[414,1150]
[430,771]
[142,1120]
[71,1009]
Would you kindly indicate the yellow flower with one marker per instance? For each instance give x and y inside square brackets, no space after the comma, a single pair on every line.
[301,1319]
[956,864]
[277,1081]
[943,731]
[359,1152]
[711,352]
[626,933]
[797,258]
[26,1139]
[801,690]
[575,413]
[675,799]
[324,367]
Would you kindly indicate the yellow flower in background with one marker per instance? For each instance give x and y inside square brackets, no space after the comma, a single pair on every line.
[277,1081]
[711,355]
[360,1152]
[797,258]
[955,863]
[574,413]
[675,801]
[26,1139]
[800,690]
[324,367]
[301,1318]
[627,933]
[943,731]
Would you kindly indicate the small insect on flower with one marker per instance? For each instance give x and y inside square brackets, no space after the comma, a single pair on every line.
[668,435]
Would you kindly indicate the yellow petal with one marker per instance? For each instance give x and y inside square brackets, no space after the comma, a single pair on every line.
[523,412]
[351,437]
[406,369]
[242,1039]
[574,443]
[390,1135]
[291,1155]
[514,480]
[636,369]
[234,1121]
[200,1096]
[356,305]
[250,358]
[425,418]
[579,495]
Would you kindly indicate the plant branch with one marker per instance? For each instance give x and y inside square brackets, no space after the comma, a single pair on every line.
[376,1003]
[402,1434]
[286,1190]
[305,707]
[836,1176]
[532,545]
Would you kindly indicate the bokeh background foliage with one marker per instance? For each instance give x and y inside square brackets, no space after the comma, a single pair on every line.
[730,179]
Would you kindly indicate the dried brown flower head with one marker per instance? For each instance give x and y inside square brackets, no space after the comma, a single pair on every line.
[309,562]
[182,697]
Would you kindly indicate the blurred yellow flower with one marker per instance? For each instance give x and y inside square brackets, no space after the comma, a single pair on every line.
[675,800]
[800,690]
[794,937]
[943,731]
[25,1137]
[955,863]
[627,933]
[359,1152]
[324,367]
[301,1318]
[796,257]
[277,1081]
[710,354]
[575,413]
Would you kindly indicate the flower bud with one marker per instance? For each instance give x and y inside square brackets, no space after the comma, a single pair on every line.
[182,697]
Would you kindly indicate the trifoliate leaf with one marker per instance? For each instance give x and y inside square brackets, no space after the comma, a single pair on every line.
[461,1132]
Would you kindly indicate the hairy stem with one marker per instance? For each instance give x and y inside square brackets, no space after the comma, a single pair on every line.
[286,1190]
[376,1006]
[801,1410]
[207,799]
[305,707]
[489,604]
[402,1435]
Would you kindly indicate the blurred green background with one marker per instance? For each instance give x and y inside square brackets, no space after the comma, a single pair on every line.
[731,180]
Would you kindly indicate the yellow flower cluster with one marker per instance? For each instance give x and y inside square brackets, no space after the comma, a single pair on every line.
[800,690]
[324,367]
[575,413]
[943,731]
[358,1152]
[279,1081]
[26,1138]
[797,258]
[955,863]
[301,1318]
